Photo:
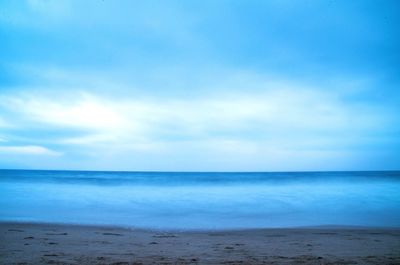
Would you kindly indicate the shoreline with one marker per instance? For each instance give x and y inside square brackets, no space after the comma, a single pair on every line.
[45,243]
[198,230]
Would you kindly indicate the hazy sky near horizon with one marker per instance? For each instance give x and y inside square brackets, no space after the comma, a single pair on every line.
[200,85]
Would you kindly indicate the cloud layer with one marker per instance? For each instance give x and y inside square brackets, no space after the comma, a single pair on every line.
[168,85]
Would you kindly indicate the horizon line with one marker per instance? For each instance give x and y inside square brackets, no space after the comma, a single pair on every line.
[186,171]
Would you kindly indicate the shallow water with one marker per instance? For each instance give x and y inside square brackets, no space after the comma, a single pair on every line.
[201,200]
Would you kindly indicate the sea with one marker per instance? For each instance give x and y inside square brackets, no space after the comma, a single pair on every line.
[202,200]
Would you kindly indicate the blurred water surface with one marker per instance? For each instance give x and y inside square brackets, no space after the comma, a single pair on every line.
[181,200]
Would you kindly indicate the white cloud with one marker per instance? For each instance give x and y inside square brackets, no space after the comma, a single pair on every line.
[271,124]
[273,114]
[83,113]
[28,150]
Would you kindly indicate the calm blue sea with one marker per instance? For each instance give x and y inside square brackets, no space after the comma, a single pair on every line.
[177,200]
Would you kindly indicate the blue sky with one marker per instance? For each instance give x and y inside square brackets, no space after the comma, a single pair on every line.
[200,85]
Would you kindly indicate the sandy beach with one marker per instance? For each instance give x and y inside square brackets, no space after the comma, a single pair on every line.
[24,243]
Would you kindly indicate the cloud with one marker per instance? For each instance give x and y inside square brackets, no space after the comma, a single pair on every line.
[227,118]
[263,129]
[277,113]
[28,150]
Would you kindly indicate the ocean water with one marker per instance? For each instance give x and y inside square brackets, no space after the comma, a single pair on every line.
[178,200]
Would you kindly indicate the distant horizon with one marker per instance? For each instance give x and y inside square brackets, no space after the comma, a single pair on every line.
[163,171]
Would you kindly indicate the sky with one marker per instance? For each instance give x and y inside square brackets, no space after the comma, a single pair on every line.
[200,85]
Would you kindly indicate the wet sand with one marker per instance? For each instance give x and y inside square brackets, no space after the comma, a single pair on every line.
[24,243]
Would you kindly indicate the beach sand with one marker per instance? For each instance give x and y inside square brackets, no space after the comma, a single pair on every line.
[23,243]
